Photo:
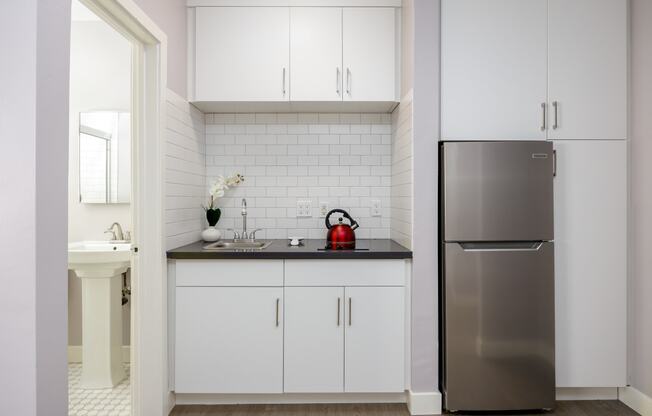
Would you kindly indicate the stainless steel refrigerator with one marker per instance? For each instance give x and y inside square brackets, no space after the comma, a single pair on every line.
[497,275]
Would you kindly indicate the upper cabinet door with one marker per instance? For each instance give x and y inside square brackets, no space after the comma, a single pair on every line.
[588,69]
[242,53]
[493,69]
[369,58]
[316,60]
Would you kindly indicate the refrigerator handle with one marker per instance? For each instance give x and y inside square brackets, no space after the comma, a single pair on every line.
[554,163]
[502,246]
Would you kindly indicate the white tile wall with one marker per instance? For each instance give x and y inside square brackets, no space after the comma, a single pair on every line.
[402,173]
[185,172]
[342,159]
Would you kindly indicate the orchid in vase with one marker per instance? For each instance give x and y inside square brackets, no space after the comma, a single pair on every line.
[218,190]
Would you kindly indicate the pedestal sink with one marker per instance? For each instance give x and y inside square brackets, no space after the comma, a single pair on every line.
[100,264]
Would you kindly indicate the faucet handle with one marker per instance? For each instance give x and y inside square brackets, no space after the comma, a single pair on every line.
[113,236]
[127,236]
[252,234]
[236,235]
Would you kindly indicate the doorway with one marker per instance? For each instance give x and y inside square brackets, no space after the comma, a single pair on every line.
[139,293]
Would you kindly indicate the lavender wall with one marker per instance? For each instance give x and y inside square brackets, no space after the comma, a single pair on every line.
[425,343]
[170,16]
[35,35]
[640,337]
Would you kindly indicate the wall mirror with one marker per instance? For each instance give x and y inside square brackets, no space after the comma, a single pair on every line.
[104,157]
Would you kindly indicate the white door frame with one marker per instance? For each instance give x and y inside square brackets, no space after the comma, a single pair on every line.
[149,393]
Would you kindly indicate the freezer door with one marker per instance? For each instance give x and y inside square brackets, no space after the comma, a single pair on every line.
[497,191]
[499,326]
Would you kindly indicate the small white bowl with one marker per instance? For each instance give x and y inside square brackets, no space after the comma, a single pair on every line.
[295,241]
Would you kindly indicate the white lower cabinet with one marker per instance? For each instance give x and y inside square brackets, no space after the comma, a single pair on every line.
[591,263]
[374,339]
[229,339]
[344,339]
[314,339]
[238,330]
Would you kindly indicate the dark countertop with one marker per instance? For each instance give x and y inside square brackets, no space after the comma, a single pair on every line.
[279,249]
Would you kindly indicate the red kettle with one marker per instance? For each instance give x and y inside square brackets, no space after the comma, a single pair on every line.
[340,236]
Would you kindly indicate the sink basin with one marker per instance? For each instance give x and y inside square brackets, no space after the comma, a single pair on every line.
[100,265]
[238,245]
[99,258]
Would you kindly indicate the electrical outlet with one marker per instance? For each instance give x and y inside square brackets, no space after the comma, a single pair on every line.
[375,208]
[323,208]
[304,208]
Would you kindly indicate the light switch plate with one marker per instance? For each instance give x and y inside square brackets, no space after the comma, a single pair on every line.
[375,208]
[304,208]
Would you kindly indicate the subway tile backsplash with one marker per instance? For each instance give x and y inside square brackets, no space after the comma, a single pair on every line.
[341,159]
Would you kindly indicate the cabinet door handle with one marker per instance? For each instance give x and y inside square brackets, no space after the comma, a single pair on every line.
[337,80]
[350,318]
[284,81]
[278,301]
[554,163]
[348,81]
[543,122]
[339,301]
[555,106]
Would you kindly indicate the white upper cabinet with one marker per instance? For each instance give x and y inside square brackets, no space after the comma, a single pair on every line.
[316,59]
[293,58]
[369,56]
[587,69]
[242,54]
[493,69]
[591,263]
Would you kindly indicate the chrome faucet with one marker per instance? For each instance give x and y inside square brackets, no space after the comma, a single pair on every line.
[250,236]
[116,230]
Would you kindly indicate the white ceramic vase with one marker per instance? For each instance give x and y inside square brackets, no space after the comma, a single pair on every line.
[211,234]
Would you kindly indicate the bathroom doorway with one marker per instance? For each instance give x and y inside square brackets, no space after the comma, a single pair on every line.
[100,216]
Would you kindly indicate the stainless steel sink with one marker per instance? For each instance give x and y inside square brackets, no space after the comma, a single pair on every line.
[238,245]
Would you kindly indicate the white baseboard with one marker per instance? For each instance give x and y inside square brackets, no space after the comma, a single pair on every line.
[428,403]
[75,353]
[587,393]
[290,398]
[638,401]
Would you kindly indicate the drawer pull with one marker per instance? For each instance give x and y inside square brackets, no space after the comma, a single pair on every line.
[278,301]
[350,314]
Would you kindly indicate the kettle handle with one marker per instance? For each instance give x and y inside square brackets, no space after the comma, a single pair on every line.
[354,223]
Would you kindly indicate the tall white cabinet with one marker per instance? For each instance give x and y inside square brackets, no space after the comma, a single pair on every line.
[591,263]
[557,70]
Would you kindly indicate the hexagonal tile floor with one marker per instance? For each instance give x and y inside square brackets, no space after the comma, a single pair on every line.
[97,402]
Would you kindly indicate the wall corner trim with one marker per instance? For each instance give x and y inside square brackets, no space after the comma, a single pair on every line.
[635,399]
[428,403]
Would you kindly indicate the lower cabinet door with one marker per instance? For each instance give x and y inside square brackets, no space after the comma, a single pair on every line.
[314,339]
[374,339]
[229,340]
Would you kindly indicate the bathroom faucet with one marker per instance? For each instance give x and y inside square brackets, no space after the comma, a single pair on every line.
[117,234]
[244,235]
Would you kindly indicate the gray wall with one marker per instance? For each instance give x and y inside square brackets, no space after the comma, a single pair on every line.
[170,16]
[425,343]
[34,36]
[640,337]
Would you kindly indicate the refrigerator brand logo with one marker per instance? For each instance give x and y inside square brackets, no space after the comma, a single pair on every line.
[539,155]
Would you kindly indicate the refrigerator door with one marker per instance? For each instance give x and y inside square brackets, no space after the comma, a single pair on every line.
[499,333]
[497,191]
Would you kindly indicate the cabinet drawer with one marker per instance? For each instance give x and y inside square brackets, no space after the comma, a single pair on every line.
[345,272]
[229,273]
